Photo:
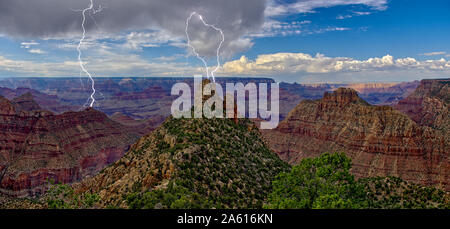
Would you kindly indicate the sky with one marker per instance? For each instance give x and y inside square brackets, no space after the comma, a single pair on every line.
[306,41]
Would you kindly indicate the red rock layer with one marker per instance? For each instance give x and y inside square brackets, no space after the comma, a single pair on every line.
[429,105]
[38,146]
[26,102]
[380,140]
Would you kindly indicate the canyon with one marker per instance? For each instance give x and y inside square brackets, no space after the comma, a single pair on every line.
[47,133]
[38,147]
[144,98]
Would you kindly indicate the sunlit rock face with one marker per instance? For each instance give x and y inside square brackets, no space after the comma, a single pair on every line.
[380,140]
[37,146]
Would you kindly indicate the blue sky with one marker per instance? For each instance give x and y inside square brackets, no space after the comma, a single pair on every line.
[293,41]
[404,29]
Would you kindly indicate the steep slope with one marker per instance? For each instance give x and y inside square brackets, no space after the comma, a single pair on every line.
[380,140]
[429,105]
[190,163]
[37,146]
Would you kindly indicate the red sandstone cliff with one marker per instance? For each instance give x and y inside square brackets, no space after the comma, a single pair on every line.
[37,146]
[380,140]
[429,105]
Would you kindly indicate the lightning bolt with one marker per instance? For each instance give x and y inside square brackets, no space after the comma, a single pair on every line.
[193,48]
[83,69]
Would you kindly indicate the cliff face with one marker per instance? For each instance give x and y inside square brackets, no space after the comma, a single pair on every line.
[429,105]
[380,140]
[37,146]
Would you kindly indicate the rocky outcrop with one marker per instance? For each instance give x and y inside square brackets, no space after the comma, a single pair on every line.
[38,146]
[208,163]
[429,105]
[380,140]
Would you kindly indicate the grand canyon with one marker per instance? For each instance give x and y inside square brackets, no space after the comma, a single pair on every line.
[248,105]
[390,129]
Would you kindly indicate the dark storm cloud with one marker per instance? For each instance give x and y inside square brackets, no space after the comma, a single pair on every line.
[57,18]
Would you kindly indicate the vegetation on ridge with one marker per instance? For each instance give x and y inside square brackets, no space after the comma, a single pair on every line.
[326,182]
[220,164]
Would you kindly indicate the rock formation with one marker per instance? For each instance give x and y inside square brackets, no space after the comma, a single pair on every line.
[38,146]
[429,105]
[380,140]
[207,163]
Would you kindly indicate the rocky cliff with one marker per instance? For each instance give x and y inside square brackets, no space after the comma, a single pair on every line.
[429,105]
[380,140]
[37,146]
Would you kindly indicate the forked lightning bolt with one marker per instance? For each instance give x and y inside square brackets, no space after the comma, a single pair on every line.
[83,12]
[193,48]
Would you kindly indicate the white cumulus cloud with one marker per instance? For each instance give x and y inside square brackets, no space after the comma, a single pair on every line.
[298,63]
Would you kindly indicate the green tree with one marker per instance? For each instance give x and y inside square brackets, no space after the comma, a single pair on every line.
[62,196]
[323,182]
